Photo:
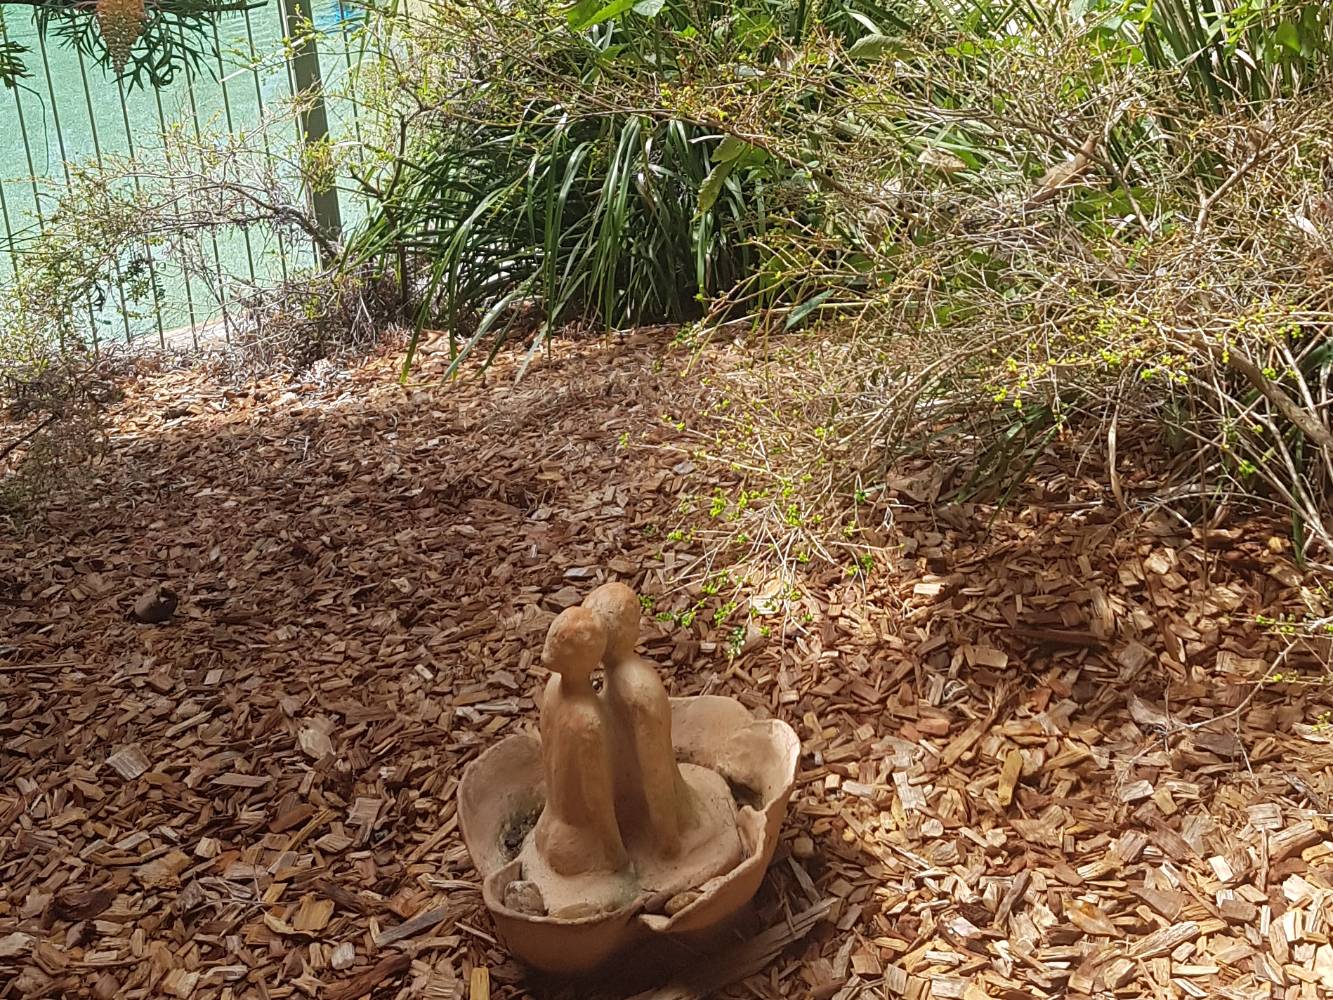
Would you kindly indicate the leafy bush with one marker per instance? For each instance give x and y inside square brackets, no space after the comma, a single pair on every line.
[603,161]
[1229,51]
[53,408]
[1011,223]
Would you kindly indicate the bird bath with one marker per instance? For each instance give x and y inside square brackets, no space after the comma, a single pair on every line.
[635,817]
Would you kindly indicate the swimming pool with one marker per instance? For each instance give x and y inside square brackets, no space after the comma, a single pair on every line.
[70,111]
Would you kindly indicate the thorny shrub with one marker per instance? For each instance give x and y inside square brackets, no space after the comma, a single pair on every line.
[1092,249]
[322,315]
[954,234]
[996,223]
[52,417]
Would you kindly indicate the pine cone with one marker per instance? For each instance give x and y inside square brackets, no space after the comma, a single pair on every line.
[121,23]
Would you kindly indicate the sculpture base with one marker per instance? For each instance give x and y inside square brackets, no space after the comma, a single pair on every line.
[503,790]
[710,845]
[576,897]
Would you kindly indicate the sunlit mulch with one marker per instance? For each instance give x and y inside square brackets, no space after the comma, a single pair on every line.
[1039,758]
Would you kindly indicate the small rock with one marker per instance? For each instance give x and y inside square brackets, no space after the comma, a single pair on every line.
[155,606]
[525,897]
[803,847]
[656,903]
[679,901]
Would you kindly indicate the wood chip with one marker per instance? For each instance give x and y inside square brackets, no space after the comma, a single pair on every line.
[129,762]
[363,982]
[1166,940]
[1009,775]
[1090,919]
[315,741]
[313,914]
[163,871]
[1135,791]
[180,983]
[411,928]
[235,780]
[1296,837]
[14,944]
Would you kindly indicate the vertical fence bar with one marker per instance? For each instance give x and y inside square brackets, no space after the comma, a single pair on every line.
[27,153]
[97,153]
[9,235]
[147,247]
[4,200]
[263,127]
[27,147]
[213,236]
[231,130]
[166,159]
[314,120]
[64,164]
[55,109]
[353,74]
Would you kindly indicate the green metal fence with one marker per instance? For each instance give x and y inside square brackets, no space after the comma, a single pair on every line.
[70,113]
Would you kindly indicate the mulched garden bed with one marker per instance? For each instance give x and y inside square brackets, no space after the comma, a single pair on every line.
[1040,757]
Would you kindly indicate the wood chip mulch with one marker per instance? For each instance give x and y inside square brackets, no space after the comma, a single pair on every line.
[1039,760]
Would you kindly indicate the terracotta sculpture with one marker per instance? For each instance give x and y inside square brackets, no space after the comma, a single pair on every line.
[679,821]
[651,798]
[622,823]
[576,857]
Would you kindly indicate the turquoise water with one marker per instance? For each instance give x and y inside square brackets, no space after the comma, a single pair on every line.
[71,111]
